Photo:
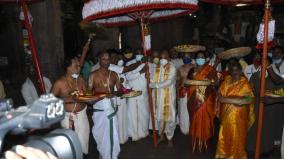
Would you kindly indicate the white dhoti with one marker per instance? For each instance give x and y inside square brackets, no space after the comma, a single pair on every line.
[122,120]
[138,107]
[183,115]
[81,125]
[105,129]
[138,117]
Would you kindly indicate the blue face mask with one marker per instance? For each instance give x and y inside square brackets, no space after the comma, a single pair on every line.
[186,60]
[269,54]
[200,61]
[276,61]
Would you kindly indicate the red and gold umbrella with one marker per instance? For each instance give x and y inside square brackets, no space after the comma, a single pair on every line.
[127,12]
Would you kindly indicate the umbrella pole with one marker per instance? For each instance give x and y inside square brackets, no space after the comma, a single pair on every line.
[262,81]
[33,47]
[148,88]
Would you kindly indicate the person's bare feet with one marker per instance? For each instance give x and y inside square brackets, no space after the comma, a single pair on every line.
[170,143]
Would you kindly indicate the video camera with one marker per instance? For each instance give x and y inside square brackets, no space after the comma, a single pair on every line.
[43,113]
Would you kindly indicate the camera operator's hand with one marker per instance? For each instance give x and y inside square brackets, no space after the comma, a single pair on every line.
[28,153]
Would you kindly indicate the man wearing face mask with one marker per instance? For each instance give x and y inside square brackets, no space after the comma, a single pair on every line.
[254,67]
[75,116]
[276,70]
[183,115]
[138,109]
[116,65]
[272,125]
[201,99]
[165,100]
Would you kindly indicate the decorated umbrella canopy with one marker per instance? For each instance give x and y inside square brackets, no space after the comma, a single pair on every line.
[126,12]
[116,12]
[236,2]
[27,24]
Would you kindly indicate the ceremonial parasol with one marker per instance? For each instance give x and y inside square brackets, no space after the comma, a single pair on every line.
[126,12]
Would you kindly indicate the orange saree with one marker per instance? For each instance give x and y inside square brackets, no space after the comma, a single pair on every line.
[201,100]
[235,120]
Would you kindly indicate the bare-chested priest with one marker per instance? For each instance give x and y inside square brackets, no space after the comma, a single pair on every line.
[75,116]
[105,121]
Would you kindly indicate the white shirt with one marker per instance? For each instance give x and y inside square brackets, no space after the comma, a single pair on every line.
[250,70]
[29,91]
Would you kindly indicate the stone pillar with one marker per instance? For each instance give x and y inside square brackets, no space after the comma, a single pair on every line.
[47,30]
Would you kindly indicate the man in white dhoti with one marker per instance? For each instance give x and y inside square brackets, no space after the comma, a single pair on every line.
[105,120]
[75,116]
[117,66]
[138,109]
[165,81]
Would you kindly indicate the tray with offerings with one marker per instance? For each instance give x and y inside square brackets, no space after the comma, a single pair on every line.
[275,93]
[82,96]
[129,93]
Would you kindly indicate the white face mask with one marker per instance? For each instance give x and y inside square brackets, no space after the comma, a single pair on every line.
[139,57]
[75,75]
[120,63]
[163,62]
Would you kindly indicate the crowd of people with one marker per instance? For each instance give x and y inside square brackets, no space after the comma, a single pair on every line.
[191,90]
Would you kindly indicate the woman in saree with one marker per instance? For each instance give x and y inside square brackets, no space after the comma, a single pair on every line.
[201,100]
[235,111]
